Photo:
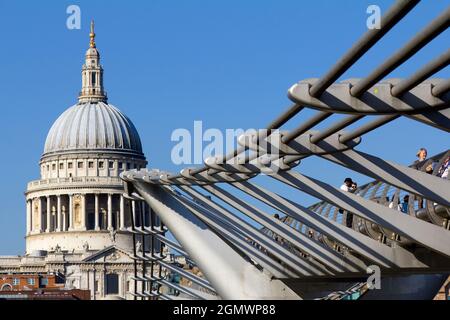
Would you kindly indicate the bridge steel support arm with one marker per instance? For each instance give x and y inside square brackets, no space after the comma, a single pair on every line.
[302,242]
[239,239]
[322,253]
[408,179]
[370,249]
[429,235]
[227,271]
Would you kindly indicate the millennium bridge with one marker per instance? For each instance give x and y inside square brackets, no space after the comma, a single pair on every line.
[327,250]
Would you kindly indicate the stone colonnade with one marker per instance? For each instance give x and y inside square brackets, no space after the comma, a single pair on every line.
[83,211]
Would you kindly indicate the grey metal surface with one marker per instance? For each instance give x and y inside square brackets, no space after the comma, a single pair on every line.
[377,101]
[420,40]
[422,74]
[370,38]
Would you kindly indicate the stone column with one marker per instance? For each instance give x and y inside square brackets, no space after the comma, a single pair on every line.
[64,218]
[92,283]
[58,212]
[96,212]
[122,213]
[109,211]
[48,227]
[133,211]
[41,220]
[70,212]
[123,284]
[94,276]
[102,284]
[54,217]
[29,222]
[83,212]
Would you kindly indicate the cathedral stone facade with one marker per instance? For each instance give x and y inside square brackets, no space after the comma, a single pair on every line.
[77,217]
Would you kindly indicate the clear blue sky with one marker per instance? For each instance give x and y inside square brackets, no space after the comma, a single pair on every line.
[168,63]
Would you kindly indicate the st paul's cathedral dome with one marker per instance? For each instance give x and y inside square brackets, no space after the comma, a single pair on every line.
[78,202]
[90,126]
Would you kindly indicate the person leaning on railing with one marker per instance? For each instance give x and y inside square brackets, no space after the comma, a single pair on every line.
[421,157]
[443,169]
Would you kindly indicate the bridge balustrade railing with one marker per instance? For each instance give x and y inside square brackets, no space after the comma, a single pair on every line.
[387,195]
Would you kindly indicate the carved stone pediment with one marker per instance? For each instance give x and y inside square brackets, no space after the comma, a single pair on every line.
[111,254]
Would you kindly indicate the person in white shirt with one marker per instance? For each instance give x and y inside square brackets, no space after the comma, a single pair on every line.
[348,186]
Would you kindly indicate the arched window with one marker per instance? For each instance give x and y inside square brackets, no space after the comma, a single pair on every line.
[6,287]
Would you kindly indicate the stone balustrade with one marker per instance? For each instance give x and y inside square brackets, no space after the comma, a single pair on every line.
[73,182]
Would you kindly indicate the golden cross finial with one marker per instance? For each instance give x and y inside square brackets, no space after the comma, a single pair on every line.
[92,35]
